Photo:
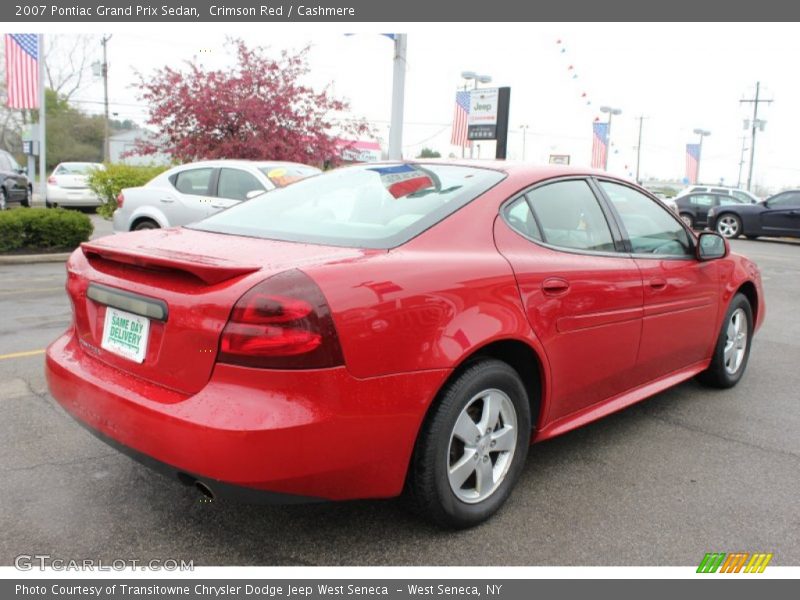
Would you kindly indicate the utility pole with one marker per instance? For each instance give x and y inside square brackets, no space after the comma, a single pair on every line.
[753,125]
[741,161]
[398,96]
[42,121]
[639,147]
[106,151]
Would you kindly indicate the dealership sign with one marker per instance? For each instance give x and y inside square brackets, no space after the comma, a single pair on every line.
[482,120]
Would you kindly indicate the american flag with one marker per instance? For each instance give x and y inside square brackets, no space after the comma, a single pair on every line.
[22,70]
[692,161]
[459,136]
[599,145]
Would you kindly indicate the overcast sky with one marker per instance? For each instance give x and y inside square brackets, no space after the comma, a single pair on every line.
[679,76]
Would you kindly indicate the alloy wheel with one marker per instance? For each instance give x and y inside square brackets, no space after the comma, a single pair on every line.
[728,226]
[735,341]
[482,445]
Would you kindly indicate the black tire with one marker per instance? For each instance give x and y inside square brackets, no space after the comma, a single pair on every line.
[428,490]
[726,219]
[718,375]
[687,219]
[145,224]
[28,201]
[49,204]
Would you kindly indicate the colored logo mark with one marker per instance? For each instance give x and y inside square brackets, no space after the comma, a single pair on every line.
[735,562]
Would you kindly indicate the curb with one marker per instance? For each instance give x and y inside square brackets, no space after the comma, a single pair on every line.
[28,259]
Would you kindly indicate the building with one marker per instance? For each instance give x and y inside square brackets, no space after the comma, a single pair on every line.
[121,144]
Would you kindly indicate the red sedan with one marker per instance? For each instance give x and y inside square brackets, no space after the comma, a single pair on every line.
[395,328]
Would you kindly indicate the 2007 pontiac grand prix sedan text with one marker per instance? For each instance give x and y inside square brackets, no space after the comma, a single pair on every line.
[395,328]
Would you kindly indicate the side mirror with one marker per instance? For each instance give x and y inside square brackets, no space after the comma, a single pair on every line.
[711,245]
[253,193]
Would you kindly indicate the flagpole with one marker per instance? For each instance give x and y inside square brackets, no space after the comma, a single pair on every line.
[42,111]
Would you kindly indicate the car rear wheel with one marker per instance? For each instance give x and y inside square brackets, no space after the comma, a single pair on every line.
[688,220]
[472,447]
[733,346]
[145,224]
[729,226]
[28,201]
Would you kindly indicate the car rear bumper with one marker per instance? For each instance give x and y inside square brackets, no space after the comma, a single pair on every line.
[321,434]
[71,196]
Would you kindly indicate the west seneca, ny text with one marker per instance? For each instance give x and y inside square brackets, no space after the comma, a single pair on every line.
[148,11]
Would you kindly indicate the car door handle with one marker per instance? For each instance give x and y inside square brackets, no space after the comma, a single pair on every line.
[167,199]
[555,286]
[658,283]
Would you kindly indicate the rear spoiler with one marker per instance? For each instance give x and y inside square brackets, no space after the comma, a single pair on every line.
[208,269]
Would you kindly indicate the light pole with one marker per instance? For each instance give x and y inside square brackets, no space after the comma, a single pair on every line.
[611,111]
[476,79]
[741,161]
[702,133]
[524,129]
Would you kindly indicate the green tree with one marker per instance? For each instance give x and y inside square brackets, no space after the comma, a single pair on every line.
[72,135]
[428,153]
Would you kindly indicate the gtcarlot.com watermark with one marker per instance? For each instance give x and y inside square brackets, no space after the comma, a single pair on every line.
[42,562]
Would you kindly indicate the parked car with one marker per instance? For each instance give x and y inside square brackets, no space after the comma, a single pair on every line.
[693,208]
[778,215]
[395,327]
[194,191]
[735,192]
[67,185]
[14,183]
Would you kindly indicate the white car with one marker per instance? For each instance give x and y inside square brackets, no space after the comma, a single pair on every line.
[67,185]
[742,195]
[192,192]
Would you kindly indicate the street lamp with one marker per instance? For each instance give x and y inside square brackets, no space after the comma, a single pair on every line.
[611,111]
[524,129]
[702,133]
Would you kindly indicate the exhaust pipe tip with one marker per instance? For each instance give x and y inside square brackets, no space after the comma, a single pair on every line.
[204,489]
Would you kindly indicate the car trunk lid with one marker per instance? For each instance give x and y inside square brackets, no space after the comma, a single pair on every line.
[184,283]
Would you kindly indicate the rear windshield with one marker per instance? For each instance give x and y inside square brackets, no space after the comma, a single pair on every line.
[76,168]
[283,175]
[378,206]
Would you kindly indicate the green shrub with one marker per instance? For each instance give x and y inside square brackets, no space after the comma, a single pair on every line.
[43,229]
[108,183]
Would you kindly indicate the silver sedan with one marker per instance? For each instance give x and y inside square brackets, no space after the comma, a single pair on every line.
[194,191]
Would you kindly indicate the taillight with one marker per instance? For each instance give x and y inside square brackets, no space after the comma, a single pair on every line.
[51,180]
[120,200]
[284,322]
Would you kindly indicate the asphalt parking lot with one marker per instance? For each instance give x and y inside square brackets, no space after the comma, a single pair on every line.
[686,472]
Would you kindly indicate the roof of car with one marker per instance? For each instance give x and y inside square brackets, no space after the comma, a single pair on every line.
[222,162]
[542,171]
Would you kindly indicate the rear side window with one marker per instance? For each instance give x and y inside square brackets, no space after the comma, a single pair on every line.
[651,228]
[367,206]
[193,181]
[236,184]
[570,216]
[519,217]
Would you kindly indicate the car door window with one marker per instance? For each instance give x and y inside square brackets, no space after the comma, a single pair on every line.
[784,200]
[728,200]
[742,197]
[236,184]
[569,216]
[702,200]
[193,182]
[651,228]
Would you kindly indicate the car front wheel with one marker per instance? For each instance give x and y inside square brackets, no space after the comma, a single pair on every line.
[688,220]
[472,447]
[733,346]
[729,226]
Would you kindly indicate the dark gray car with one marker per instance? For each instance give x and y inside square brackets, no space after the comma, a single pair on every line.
[14,184]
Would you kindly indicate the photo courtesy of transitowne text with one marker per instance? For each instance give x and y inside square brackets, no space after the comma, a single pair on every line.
[358,299]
